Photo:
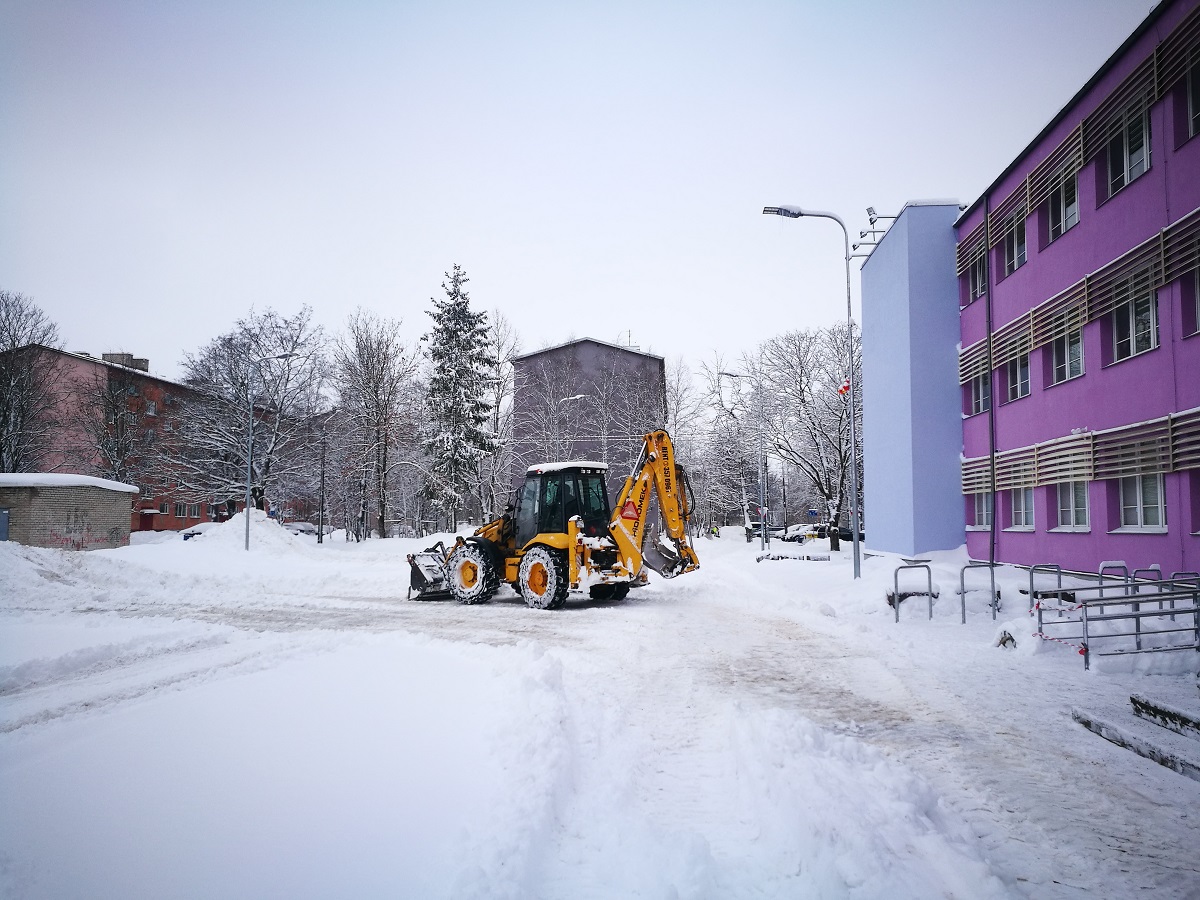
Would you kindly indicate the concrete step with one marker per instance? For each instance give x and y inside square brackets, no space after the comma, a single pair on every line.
[1176,752]
[1167,715]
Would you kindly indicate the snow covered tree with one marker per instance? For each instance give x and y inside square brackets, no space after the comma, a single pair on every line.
[374,370]
[30,379]
[271,361]
[457,393]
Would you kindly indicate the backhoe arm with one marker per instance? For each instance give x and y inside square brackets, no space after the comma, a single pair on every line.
[657,471]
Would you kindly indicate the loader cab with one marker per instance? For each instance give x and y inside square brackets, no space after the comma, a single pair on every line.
[554,492]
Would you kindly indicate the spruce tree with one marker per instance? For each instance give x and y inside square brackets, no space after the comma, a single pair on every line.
[457,348]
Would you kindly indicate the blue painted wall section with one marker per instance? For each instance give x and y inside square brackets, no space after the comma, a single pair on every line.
[912,422]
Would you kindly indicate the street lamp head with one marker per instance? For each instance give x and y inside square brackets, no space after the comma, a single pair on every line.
[792,212]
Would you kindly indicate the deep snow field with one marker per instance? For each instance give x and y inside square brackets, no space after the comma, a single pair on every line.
[186,719]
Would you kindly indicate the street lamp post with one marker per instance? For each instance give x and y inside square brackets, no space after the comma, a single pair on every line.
[254,364]
[795,212]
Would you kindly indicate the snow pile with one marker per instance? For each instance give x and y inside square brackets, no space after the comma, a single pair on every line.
[265,535]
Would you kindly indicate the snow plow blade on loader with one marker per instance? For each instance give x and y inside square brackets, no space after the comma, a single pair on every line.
[428,575]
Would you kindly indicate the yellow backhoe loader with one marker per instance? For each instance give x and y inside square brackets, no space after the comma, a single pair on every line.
[562,535]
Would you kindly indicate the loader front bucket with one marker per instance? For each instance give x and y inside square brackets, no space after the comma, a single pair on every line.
[427,579]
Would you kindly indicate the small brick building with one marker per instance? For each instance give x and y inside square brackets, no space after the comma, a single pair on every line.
[67,512]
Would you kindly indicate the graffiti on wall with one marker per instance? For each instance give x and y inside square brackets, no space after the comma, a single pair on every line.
[77,533]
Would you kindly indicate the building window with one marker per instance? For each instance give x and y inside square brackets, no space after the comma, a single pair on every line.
[180,510]
[983,510]
[1135,326]
[1014,247]
[151,408]
[1022,507]
[1064,207]
[1066,355]
[1018,377]
[1129,150]
[1073,504]
[980,397]
[193,511]
[163,508]
[977,274]
[1142,502]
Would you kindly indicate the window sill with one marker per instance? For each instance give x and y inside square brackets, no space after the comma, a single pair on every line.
[1071,529]
[1139,529]
[1055,384]
[1123,187]
[1012,400]
[983,528]
[1020,529]
[1117,362]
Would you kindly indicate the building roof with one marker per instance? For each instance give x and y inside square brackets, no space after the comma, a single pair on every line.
[56,479]
[87,357]
[1155,14]
[587,340]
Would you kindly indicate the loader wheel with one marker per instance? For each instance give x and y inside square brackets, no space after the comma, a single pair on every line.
[543,578]
[470,574]
[617,591]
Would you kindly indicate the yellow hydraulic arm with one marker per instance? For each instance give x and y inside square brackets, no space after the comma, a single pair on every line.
[656,470]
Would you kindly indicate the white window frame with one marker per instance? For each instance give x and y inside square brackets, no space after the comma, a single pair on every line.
[1017,371]
[981,393]
[1021,500]
[1015,247]
[1063,364]
[151,408]
[1140,508]
[983,510]
[1064,206]
[1129,150]
[977,278]
[1072,506]
[1125,326]
[193,511]
[180,509]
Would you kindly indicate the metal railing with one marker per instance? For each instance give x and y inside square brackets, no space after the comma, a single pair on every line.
[993,595]
[1158,604]
[897,597]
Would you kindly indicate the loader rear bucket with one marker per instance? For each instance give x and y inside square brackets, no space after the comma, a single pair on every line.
[664,557]
[428,576]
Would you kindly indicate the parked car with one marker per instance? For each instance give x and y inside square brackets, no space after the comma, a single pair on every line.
[301,527]
[800,533]
[754,530]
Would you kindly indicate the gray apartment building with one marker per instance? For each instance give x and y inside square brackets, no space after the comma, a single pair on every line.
[586,400]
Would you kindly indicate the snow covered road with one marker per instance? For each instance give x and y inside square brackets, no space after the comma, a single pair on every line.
[187,719]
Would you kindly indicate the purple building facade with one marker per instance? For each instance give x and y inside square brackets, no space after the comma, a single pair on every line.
[1079,291]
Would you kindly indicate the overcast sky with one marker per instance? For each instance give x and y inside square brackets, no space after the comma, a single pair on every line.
[597,168]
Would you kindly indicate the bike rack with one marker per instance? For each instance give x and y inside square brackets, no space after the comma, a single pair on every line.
[993,602]
[897,598]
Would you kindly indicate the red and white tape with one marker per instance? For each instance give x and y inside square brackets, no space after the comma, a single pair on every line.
[1082,648]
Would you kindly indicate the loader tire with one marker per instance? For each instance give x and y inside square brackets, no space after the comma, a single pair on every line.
[471,575]
[543,578]
[617,591]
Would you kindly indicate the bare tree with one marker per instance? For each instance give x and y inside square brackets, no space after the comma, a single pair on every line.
[548,422]
[806,411]
[30,378]
[211,427]
[374,368]
[110,418]
[494,473]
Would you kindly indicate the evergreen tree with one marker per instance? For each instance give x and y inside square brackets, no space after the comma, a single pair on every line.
[457,348]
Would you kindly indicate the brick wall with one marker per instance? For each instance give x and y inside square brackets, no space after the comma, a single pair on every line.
[67,518]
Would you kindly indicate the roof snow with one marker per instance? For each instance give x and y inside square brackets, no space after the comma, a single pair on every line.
[51,479]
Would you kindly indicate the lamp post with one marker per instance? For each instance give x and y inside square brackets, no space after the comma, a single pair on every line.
[254,364]
[762,478]
[795,212]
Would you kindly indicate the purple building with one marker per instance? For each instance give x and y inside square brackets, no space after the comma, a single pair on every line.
[1080,322]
